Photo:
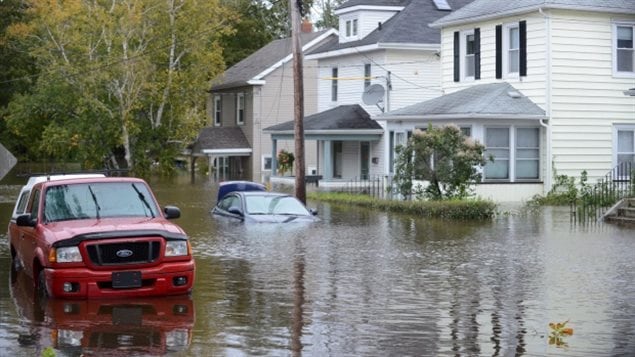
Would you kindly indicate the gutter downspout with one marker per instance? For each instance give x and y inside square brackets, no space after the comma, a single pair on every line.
[548,102]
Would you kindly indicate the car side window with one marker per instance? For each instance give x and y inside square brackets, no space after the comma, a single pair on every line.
[22,201]
[35,203]
[228,202]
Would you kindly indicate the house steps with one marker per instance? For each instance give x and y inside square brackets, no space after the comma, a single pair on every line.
[622,212]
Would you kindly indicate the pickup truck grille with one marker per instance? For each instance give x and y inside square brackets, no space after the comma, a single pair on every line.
[124,252]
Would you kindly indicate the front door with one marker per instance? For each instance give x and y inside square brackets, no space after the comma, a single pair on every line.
[364,156]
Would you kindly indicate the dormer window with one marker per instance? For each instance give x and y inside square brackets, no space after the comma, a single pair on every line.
[351,28]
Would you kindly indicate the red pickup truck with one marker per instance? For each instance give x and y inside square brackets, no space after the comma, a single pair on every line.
[90,236]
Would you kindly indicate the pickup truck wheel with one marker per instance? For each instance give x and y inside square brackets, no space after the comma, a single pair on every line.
[42,293]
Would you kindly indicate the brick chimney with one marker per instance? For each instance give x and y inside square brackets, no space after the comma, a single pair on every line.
[307,26]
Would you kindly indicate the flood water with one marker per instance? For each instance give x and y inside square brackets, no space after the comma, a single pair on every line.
[357,283]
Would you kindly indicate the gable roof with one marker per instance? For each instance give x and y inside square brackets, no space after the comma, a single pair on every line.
[480,10]
[217,139]
[343,117]
[409,26]
[483,101]
[264,60]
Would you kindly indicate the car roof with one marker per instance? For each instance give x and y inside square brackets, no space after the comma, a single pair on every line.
[261,193]
[237,186]
[33,180]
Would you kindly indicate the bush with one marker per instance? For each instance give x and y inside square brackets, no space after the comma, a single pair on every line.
[448,209]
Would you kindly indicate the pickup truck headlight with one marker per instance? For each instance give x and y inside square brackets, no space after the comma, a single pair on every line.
[176,248]
[68,255]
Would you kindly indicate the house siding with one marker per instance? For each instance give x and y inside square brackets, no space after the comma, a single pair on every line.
[586,99]
[273,103]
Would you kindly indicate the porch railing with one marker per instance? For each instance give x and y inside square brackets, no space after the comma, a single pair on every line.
[374,186]
[594,201]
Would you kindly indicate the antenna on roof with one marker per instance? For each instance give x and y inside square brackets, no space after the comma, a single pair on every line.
[442,5]
[373,95]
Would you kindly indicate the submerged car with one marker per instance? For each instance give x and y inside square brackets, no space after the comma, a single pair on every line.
[250,202]
[91,236]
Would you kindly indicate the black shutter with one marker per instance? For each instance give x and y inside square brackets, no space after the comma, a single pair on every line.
[522,29]
[477,53]
[499,51]
[457,61]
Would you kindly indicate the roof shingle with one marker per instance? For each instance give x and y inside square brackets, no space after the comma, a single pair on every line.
[342,117]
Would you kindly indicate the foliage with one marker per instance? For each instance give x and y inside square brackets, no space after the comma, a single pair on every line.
[559,331]
[48,352]
[564,191]
[445,158]
[285,161]
[118,80]
[476,209]
[327,17]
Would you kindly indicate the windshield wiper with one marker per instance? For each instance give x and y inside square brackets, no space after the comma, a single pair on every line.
[97,208]
[143,199]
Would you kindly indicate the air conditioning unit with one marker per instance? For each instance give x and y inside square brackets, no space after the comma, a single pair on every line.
[312,170]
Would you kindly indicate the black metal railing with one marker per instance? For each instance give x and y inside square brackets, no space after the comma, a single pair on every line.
[374,186]
[594,201]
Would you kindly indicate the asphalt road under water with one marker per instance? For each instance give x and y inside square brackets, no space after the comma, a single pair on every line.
[357,283]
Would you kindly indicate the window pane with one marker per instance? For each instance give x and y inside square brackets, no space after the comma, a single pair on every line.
[267,163]
[527,169]
[469,66]
[334,84]
[625,141]
[348,28]
[469,44]
[497,137]
[498,153]
[514,41]
[526,153]
[527,138]
[466,130]
[625,60]
[497,170]
[354,27]
[625,158]
[624,37]
[514,61]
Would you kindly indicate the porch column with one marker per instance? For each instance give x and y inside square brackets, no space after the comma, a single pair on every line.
[274,157]
[210,167]
[328,157]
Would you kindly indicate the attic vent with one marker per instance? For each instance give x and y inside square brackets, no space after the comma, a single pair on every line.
[514,94]
[442,5]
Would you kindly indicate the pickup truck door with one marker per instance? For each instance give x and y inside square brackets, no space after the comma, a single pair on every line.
[27,236]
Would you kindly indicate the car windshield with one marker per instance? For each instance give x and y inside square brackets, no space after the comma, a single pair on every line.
[98,200]
[267,204]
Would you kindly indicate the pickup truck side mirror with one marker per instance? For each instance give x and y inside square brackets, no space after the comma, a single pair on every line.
[171,212]
[25,220]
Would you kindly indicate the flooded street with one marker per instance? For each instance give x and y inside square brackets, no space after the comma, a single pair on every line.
[357,283]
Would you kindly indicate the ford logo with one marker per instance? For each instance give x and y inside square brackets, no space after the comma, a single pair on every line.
[124,253]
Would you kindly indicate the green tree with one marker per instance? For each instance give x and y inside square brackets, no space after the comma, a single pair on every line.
[326,12]
[122,79]
[443,157]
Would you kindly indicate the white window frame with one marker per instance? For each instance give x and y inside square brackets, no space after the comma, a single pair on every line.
[463,55]
[616,152]
[334,84]
[218,105]
[263,166]
[367,74]
[240,108]
[507,28]
[350,28]
[616,73]
[513,147]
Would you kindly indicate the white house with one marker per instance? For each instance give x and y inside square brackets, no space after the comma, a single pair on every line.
[544,84]
[386,48]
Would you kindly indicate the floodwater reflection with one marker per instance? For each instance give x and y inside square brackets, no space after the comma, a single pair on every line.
[366,283]
[101,327]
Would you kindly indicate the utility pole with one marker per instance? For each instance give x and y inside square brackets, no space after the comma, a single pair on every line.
[295,6]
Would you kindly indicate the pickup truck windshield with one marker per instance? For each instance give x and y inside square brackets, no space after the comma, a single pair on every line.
[98,200]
